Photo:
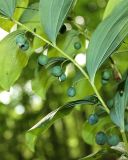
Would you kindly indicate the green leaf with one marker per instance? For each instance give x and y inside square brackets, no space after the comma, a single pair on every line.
[110,6]
[126,93]
[117,113]
[31,16]
[107,37]
[89,131]
[120,103]
[102,154]
[32,140]
[41,82]
[70,38]
[31,19]
[7,7]
[60,112]
[7,24]
[12,60]
[52,15]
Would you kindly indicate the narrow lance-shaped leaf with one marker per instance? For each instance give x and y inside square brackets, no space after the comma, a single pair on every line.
[7,7]
[49,119]
[120,104]
[107,37]
[52,15]
[110,6]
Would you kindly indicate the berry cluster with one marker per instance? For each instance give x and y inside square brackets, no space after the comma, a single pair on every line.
[101,139]
[58,72]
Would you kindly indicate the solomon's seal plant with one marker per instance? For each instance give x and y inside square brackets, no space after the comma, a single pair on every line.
[70,41]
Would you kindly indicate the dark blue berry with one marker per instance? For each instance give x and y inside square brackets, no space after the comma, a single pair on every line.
[93,119]
[113,140]
[43,59]
[77,45]
[63,77]
[71,92]
[57,71]
[106,75]
[101,138]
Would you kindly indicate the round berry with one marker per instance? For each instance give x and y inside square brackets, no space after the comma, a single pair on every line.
[63,77]
[106,75]
[113,140]
[77,45]
[93,119]
[20,39]
[22,42]
[57,71]
[101,138]
[63,29]
[25,46]
[43,59]
[71,92]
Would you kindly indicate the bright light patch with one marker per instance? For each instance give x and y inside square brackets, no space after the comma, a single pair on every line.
[3,33]
[69,69]
[28,87]
[81,59]
[5,97]
[15,91]
[19,109]
[68,26]
[36,102]
[80,20]
[39,50]
[87,43]
[14,28]
[45,52]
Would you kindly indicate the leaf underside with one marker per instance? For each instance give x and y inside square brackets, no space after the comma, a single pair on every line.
[52,16]
[49,119]
[110,6]
[120,103]
[7,7]
[107,37]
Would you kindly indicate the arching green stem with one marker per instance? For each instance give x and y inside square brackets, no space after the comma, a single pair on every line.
[68,57]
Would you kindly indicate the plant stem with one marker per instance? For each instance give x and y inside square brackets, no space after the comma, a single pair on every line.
[27,8]
[125,140]
[100,98]
[68,57]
